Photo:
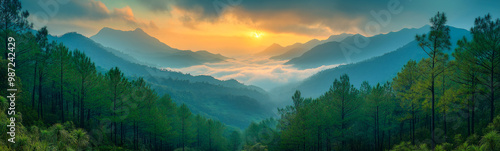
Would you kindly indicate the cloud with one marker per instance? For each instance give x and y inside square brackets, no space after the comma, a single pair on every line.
[317,17]
[90,10]
[311,18]
[264,73]
[156,5]
[127,15]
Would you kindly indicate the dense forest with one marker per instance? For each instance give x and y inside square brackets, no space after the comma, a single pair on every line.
[64,102]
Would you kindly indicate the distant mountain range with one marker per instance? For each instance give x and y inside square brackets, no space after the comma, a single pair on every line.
[229,101]
[375,70]
[298,50]
[355,48]
[278,52]
[149,50]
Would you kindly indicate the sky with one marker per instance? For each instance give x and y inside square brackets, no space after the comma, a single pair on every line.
[239,28]
[242,27]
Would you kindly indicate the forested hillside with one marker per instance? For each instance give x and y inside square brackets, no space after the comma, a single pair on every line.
[183,88]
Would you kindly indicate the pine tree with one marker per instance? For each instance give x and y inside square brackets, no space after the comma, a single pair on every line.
[434,45]
[485,48]
[404,85]
[61,59]
[12,19]
[235,140]
[86,71]
[184,114]
[345,103]
[118,84]
[467,75]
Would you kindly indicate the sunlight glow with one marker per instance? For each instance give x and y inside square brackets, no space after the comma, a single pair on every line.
[257,34]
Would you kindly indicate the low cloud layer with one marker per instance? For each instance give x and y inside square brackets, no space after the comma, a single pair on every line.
[264,73]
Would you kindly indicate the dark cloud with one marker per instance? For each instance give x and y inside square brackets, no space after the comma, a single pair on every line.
[156,5]
[336,15]
[82,10]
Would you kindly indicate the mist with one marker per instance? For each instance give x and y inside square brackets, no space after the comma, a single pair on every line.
[261,72]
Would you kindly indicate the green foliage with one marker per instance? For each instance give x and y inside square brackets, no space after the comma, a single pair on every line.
[235,140]
[256,147]
[491,140]
[406,146]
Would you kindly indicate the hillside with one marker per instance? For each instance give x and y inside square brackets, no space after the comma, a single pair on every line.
[183,88]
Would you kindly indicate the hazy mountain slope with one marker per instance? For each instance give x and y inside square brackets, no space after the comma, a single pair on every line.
[273,49]
[102,56]
[277,50]
[295,50]
[355,48]
[298,51]
[150,50]
[231,102]
[375,70]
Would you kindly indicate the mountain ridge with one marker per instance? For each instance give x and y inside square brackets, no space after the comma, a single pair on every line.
[377,69]
[148,49]
[354,48]
[297,49]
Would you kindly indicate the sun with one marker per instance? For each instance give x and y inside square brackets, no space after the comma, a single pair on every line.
[257,34]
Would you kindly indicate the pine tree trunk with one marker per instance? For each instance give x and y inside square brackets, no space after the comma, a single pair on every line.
[40,95]
[468,120]
[432,117]
[492,99]
[74,104]
[122,133]
[319,138]
[445,128]
[82,112]
[34,86]
[413,125]
[473,112]
[62,93]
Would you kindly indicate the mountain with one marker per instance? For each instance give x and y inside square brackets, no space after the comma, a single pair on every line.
[150,50]
[375,70]
[355,48]
[277,50]
[295,50]
[338,37]
[273,49]
[298,49]
[228,101]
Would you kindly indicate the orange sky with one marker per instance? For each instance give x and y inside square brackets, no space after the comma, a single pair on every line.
[227,36]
